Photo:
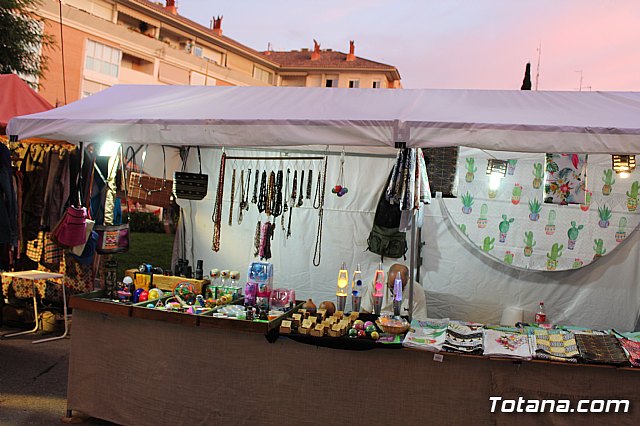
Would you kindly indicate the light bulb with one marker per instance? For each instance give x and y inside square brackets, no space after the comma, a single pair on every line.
[494,181]
[109,149]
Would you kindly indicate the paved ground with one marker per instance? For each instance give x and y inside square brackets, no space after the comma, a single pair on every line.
[33,381]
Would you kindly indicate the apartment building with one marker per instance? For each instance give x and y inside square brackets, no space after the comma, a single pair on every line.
[107,42]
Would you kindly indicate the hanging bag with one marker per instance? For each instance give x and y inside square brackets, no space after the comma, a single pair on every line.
[114,238]
[190,186]
[147,189]
[70,231]
[385,237]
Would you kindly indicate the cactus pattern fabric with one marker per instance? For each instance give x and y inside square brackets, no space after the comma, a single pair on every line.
[509,220]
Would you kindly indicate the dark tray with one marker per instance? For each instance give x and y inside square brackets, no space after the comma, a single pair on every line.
[346,342]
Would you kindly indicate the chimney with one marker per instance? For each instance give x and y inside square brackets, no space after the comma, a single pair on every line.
[170,5]
[352,48]
[216,25]
[315,55]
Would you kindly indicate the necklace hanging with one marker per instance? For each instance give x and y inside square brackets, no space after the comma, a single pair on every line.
[233,195]
[256,240]
[217,207]
[276,210]
[243,202]
[309,183]
[301,190]
[317,254]
[294,191]
[270,194]
[340,189]
[316,197]
[263,192]
[285,208]
[254,198]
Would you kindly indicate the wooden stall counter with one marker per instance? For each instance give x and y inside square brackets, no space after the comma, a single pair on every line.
[120,367]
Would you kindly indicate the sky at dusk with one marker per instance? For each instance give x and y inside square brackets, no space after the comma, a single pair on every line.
[475,44]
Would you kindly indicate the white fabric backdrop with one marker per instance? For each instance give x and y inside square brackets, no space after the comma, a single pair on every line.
[460,282]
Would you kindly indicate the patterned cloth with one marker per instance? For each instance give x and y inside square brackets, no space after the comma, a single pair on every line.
[77,279]
[603,349]
[632,349]
[555,345]
[427,335]
[507,345]
[464,337]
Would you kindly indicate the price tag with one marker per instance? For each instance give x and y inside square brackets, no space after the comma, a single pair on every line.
[438,357]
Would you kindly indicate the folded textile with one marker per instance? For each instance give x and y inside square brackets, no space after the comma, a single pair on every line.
[632,350]
[427,335]
[555,345]
[601,349]
[506,344]
[464,337]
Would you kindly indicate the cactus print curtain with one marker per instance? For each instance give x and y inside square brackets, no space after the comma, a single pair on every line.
[513,224]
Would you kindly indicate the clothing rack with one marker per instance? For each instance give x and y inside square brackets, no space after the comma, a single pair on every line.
[230,157]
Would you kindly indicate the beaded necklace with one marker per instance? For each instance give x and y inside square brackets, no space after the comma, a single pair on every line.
[254,198]
[309,183]
[243,193]
[285,208]
[316,197]
[301,192]
[294,191]
[263,192]
[233,195]
[276,209]
[217,207]
[317,254]
[256,240]
[270,194]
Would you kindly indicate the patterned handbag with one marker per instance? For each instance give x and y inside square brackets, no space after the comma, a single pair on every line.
[190,186]
[147,189]
[114,238]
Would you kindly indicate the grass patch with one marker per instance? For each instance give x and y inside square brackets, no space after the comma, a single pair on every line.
[150,248]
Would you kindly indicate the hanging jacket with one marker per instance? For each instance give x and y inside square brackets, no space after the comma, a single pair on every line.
[8,203]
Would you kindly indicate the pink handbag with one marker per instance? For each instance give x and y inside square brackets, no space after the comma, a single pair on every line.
[71,230]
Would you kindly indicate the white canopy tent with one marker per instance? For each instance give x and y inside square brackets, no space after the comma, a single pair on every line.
[591,122]
[300,118]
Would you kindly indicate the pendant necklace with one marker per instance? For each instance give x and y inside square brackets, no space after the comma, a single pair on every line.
[217,207]
[301,189]
[233,195]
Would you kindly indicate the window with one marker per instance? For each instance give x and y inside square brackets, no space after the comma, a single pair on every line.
[198,51]
[331,82]
[354,84]
[102,59]
[262,75]
[91,87]
[376,84]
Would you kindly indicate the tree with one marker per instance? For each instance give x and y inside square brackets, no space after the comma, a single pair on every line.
[22,39]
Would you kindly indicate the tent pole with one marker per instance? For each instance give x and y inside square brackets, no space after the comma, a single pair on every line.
[412,263]
[305,152]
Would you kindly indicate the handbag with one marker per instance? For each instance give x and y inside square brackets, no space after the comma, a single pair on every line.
[147,189]
[70,231]
[114,238]
[190,186]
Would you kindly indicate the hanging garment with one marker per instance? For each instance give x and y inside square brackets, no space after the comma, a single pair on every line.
[34,186]
[8,203]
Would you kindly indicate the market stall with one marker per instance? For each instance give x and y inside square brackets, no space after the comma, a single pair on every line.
[372,124]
